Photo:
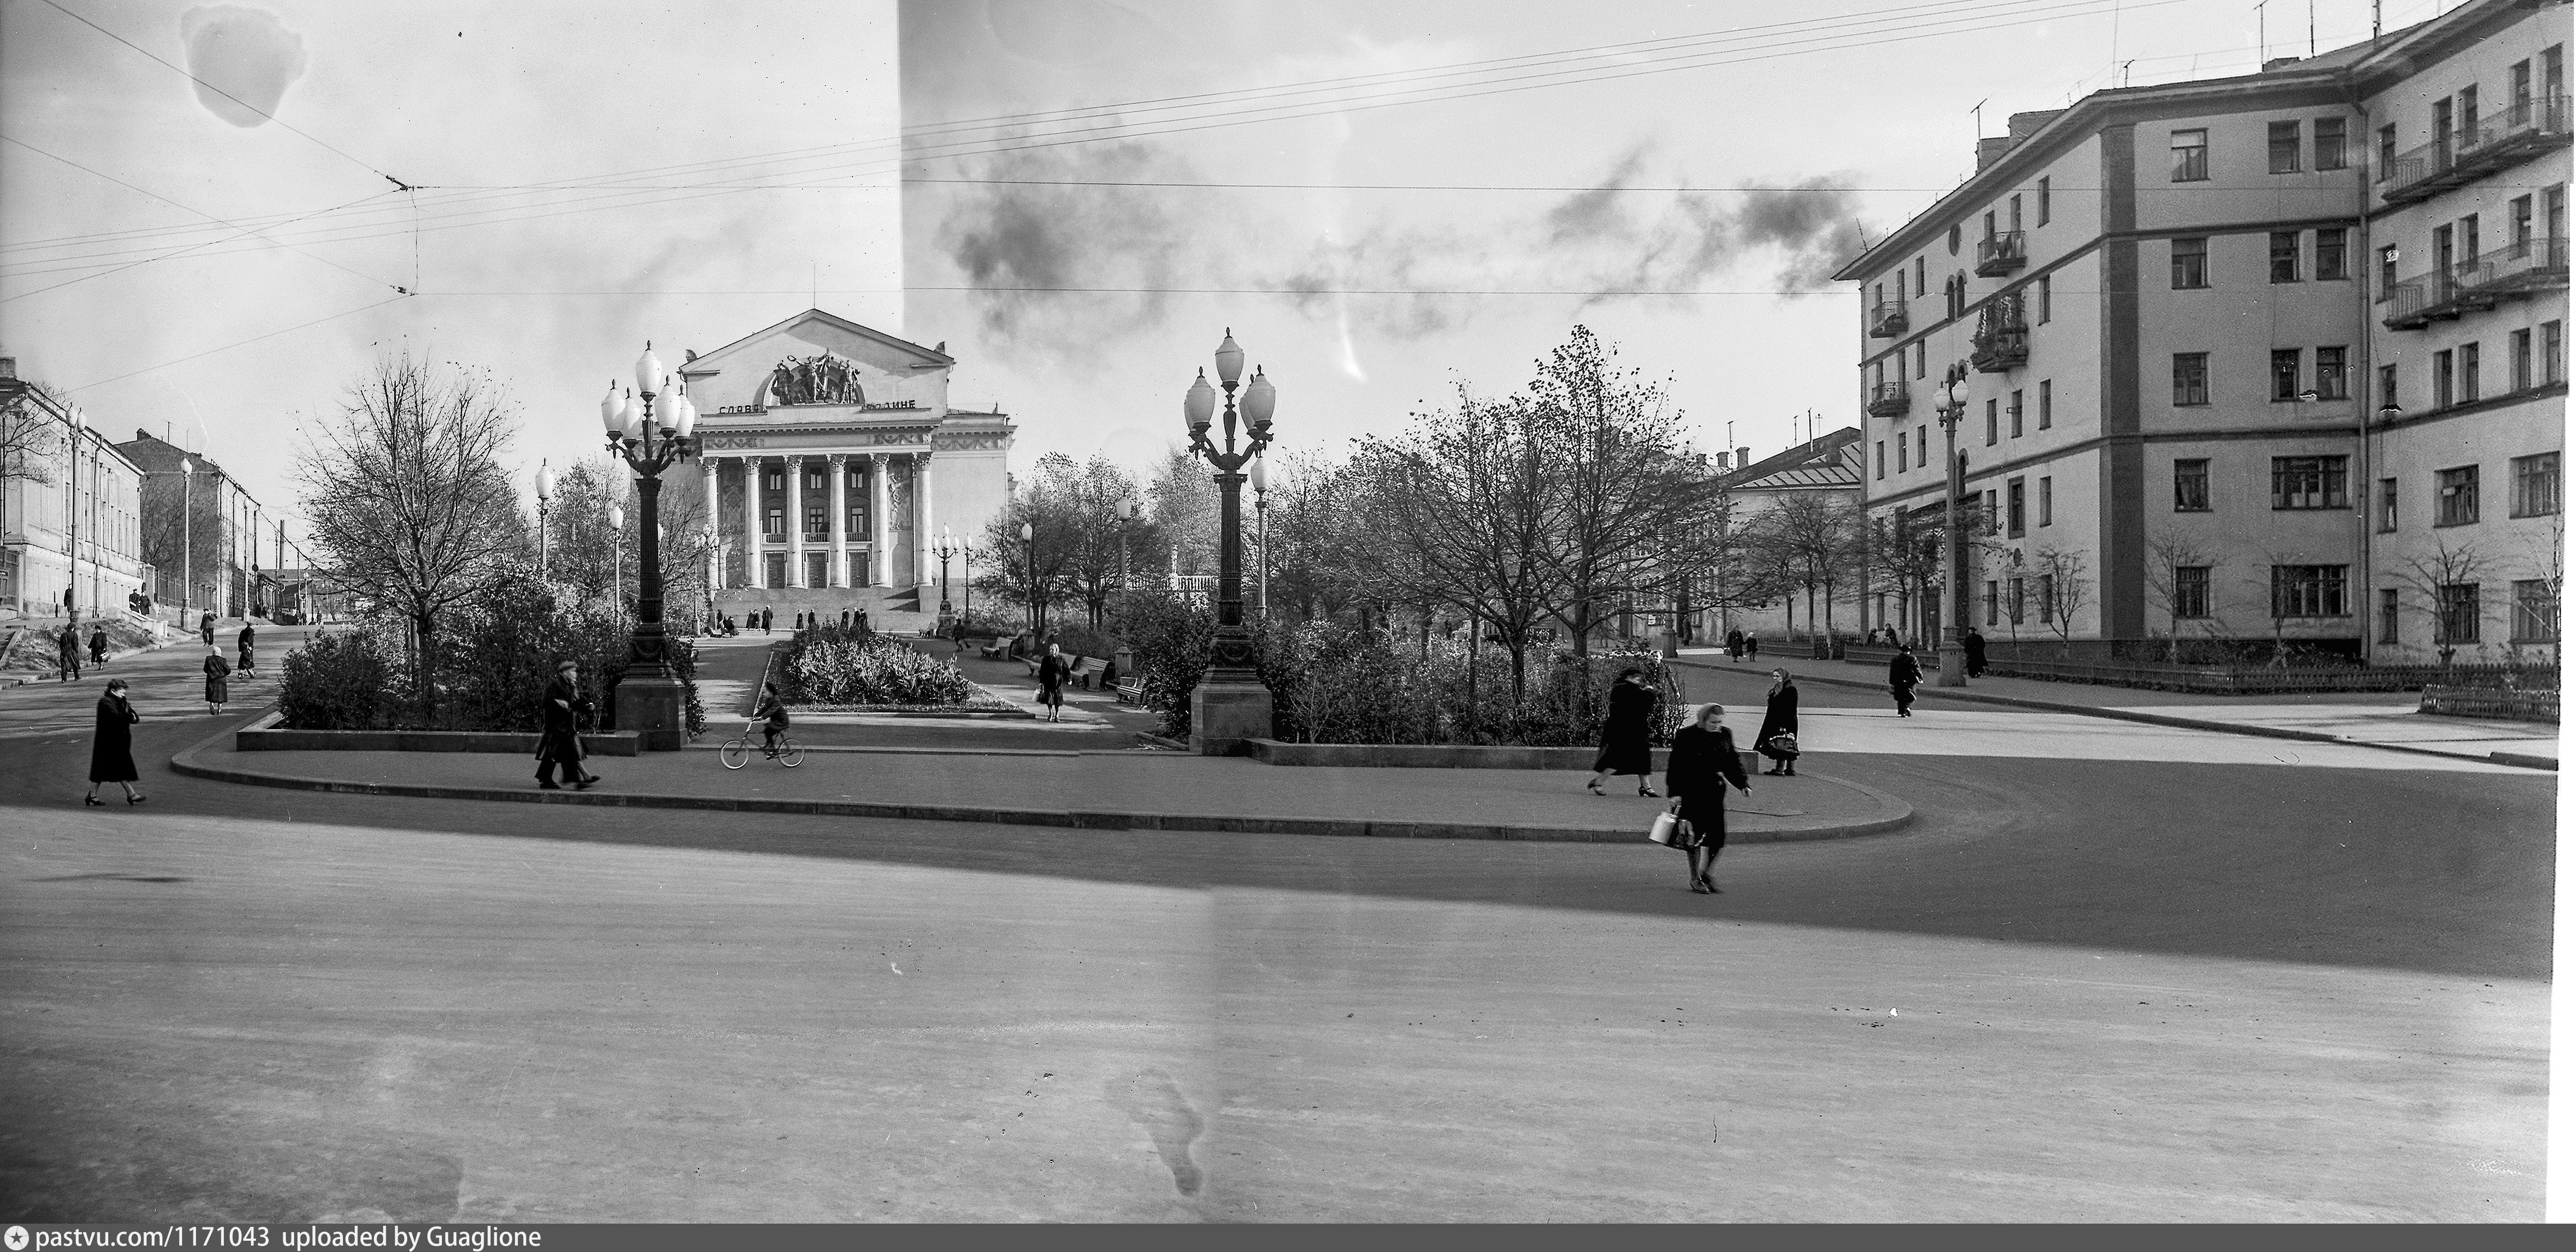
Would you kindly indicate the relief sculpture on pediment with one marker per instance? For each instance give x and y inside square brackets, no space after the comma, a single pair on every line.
[823,379]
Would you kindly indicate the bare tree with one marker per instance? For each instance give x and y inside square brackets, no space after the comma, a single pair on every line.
[405,495]
[1813,539]
[31,433]
[2547,560]
[2168,553]
[2063,590]
[2444,577]
[1905,547]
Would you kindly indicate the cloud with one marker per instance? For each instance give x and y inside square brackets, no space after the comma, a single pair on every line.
[243,58]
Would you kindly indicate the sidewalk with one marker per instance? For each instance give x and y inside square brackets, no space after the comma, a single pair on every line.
[1108,790]
[2369,719]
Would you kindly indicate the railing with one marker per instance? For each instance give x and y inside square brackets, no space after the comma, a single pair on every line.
[2002,341]
[1998,255]
[1886,319]
[2246,679]
[2472,151]
[1889,399]
[2518,269]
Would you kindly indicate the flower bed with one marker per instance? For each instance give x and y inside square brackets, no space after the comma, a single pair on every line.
[836,670]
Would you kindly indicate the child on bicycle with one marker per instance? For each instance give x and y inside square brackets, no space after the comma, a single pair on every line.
[776,713]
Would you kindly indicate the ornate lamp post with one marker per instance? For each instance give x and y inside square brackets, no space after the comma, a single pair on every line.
[1229,705]
[545,493]
[187,543]
[1954,560]
[710,557]
[1261,529]
[649,698]
[946,550]
[1029,536]
[616,554]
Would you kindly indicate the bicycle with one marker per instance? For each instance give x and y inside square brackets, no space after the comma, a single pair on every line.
[737,751]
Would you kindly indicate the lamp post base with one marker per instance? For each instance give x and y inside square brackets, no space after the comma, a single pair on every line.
[656,708]
[1226,711]
[1954,665]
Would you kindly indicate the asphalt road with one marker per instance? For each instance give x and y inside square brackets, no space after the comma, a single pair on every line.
[2088,989]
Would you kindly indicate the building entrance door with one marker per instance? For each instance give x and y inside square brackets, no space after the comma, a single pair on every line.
[818,569]
[776,568]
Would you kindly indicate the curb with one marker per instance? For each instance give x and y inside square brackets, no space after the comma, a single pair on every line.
[1896,814]
[2186,723]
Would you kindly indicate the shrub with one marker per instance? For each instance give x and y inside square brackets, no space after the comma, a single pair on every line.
[339,681]
[832,666]
[1084,641]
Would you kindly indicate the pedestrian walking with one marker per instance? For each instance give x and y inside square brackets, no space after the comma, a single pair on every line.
[1053,670]
[1778,739]
[244,641]
[559,743]
[1624,747]
[219,692]
[864,628]
[845,619]
[1704,763]
[1976,645]
[206,628]
[98,645]
[1752,646]
[67,654]
[1903,675]
[111,750]
[766,615]
[1735,645]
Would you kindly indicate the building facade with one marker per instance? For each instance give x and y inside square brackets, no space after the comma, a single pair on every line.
[1817,535]
[202,531]
[834,463]
[70,511]
[2171,305]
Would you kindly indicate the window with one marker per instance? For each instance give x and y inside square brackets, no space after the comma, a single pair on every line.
[1954,241]
[2308,482]
[2191,378]
[2285,373]
[2190,156]
[1922,445]
[2468,115]
[1990,423]
[2469,237]
[2457,502]
[2043,210]
[814,481]
[2191,591]
[1881,451]
[857,523]
[1990,223]
[2535,485]
[2388,386]
[2013,513]
[2456,612]
[2520,211]
[2468,373]
[1994,516]
[774,480]
[2047,402]
[2283,142]
[2387,151]
[2047,500]
[814,520]
[2330,374]
[775,525]
[2388,615]
[2521,91]
[2442,379]
[2387,274]
[1919,288]
[2044,300]
[1991,597]
[1918,358]
[2330,153]
[2285,256]
[2553,364]
[2016,602]
[2014,216]
[1878,296]
[2191,485]
[1900,452]
[2535,612]
[2518,359]
[2308,590]
[2015,408]
[2387,506]
[2190,264]
[2330,255]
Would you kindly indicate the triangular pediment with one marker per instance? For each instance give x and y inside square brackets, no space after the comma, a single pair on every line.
[828,356]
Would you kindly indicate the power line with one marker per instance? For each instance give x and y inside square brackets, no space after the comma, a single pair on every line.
[236,344]
[163,257]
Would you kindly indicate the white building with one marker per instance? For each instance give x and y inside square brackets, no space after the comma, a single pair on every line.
[70,511]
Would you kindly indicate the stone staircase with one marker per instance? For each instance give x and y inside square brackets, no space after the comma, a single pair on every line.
[901,610]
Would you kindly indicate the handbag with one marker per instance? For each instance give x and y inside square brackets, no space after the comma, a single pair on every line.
[1666,829]
[1783,746]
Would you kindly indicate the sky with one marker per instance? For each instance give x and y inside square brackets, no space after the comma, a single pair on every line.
[213,218]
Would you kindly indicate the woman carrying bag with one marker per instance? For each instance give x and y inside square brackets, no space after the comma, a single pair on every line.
[111,751]
[1778,739]
[218,691]
[1624,734]
[1704,763]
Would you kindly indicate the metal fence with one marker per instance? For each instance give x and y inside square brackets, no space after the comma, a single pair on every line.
[2246,679]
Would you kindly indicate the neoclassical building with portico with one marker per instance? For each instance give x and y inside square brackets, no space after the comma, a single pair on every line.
[831,463]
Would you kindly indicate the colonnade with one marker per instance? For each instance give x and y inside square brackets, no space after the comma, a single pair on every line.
[838,544]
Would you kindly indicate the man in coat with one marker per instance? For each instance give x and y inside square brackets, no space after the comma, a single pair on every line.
[1976,645]
[560,742]
[206,628]
[1903,675]
[67,652]
[98,645]
[766,616]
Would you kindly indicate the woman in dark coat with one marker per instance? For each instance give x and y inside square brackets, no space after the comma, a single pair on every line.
[1624,749]
[1735,645]
[1053,670]
[218,692]
[244,639]
[1903,674]
[1704,763]
[1779,717]
[111,752]
[560,741]
[67,654]
[98,646]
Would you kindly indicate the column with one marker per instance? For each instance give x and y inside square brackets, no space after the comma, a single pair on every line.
[924,536]
[755,565]
[715,551]
[839,573]
[880,557]
[795,521]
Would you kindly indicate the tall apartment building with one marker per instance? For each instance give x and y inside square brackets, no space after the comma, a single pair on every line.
[202,530]
[70,510]
[2177,307]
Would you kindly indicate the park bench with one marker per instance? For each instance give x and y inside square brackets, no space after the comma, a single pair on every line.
[1086,670]
[1132,691]
[995,650]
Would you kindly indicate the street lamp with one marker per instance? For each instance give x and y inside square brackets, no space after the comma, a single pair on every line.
[545,492]
[1261,529]
[187,542]
[1954,557]
[946,550]
[711,557]
[616,565]
[649,697]
[1029,536]
[1229,705]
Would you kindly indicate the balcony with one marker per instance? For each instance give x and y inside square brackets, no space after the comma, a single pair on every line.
[2525,130]
[2002,341]
[1887,319]
[1889,399]
[2514,272]
[1998,255]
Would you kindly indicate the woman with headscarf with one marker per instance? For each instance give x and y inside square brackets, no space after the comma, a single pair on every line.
[1779,723]
[1624,734]
[1053,671]
[111,750]
[218,691]
[245,640]
[1704,764]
